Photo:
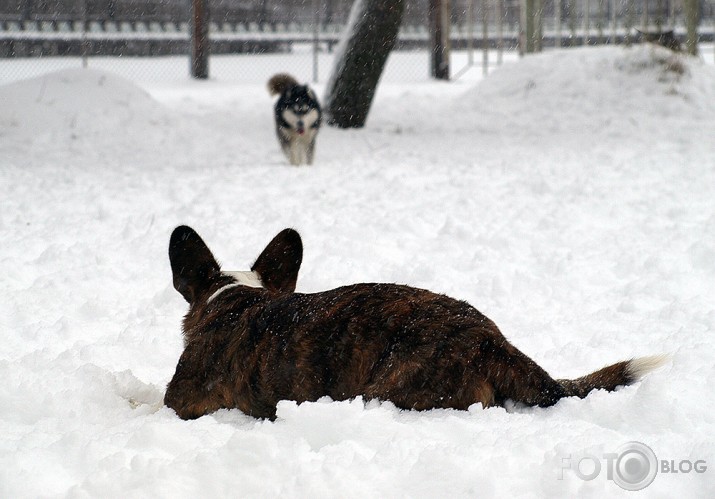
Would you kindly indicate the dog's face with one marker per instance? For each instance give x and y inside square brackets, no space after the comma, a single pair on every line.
[300,109]
[199,278]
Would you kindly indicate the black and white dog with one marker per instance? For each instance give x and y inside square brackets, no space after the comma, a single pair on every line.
[298,117]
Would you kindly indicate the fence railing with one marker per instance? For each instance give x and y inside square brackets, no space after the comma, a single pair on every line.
[479,25]
[147,39]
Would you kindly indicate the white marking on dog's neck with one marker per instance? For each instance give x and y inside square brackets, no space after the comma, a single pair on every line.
[242,278]
[308,118]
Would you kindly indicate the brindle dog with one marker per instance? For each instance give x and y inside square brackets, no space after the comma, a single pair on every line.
[251,341]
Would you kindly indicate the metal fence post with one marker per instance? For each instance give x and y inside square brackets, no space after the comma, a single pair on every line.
[500,31]
[85,42]
[316,38]
[485,37]
[557,13]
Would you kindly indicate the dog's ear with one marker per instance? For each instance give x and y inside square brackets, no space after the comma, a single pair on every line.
[279,263]
[193,265]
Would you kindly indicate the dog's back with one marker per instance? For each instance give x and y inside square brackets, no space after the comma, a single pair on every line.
[415,348]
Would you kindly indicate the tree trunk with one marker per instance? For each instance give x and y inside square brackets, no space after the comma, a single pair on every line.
[200,39]
[527,39]
[370,36]
[439,21]
[691,22]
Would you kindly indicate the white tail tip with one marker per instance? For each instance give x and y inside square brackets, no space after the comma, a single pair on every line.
[641,366]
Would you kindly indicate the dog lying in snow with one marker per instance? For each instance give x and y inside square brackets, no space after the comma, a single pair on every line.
[250,341]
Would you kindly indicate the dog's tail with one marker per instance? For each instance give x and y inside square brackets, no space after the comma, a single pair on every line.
[280,82]
[608,378]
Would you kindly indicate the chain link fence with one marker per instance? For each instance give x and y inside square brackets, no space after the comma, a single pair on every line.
[148,40]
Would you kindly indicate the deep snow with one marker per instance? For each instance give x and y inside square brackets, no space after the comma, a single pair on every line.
[569,197]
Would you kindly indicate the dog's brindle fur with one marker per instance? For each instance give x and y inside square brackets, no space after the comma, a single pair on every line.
[249,348]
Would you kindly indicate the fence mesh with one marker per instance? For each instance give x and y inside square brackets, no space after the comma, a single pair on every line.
[252,39]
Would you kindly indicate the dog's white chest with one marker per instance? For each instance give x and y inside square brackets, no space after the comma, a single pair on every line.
[300,120]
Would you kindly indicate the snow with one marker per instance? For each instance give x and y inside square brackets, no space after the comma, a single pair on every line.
[568,196]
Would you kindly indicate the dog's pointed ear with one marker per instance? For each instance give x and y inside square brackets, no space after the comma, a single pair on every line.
[192,264]
[279,263]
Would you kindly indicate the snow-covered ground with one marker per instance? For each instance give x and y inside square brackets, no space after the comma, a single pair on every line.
[570,197]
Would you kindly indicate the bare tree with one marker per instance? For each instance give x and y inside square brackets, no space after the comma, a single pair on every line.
[200,39]
[439,23]
[691,22]
[371,35]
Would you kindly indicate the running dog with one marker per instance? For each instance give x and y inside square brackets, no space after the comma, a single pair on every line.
[298,117]
[251,341]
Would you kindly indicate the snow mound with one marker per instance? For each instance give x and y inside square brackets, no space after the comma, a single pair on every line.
[88,110]
[585,242]
[591,86]
[76,102]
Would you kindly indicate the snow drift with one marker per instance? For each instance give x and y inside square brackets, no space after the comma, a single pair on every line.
[568,196]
